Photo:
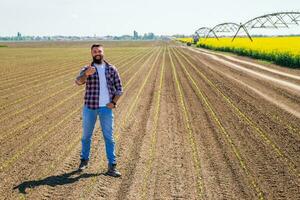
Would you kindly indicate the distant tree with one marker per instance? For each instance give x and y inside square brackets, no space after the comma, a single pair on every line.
[149,36]
[135,35]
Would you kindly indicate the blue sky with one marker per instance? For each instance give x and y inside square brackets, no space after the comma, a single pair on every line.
[117,17]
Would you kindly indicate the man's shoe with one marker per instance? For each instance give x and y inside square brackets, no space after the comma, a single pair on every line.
[83,164]
[112,171]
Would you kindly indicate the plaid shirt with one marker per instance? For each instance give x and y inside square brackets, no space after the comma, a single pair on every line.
[92,86]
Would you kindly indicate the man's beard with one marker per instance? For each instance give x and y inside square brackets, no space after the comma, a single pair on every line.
[98,60]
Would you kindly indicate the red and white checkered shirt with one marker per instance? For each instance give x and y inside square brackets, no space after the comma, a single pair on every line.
[92,85]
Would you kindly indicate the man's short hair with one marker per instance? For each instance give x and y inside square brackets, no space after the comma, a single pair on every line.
[96,45]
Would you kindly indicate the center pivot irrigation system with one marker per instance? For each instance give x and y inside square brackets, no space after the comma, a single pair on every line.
[274,20]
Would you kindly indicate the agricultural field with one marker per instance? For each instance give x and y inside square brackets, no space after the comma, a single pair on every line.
[191,124]
[283,51]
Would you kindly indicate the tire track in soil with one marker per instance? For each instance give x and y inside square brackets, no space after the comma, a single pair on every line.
[293,95]
[278,95]
[288,121]
[263,134]
[269,176]
[244,166]
[221,172]
[170,174]
[286,85]
[264,130]
[153,137]
[253,65]
[143,122]
[191,137]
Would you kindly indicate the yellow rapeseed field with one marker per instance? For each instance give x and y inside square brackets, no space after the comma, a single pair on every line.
[185,40]
[280,50]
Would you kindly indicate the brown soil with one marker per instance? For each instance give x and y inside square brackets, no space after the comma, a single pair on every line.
[187,127]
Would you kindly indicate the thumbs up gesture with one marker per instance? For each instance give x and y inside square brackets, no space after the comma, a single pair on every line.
[90,70]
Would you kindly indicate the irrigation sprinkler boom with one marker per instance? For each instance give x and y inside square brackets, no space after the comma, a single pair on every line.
[273,20]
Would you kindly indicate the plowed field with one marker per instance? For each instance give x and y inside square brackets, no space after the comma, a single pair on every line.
[191,124]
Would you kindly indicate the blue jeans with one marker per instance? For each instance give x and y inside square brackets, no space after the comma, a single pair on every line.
[89,117]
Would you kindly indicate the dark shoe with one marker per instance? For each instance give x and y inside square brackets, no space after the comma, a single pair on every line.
[83,164]
[112,171]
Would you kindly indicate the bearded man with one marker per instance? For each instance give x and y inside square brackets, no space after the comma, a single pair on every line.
[103,88]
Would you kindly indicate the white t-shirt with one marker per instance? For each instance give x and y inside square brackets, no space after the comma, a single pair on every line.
[103,95]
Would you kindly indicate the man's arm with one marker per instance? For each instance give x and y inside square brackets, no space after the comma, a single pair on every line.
[114,102]
[118,84]
[119,89]
[81,78]
[116,98]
